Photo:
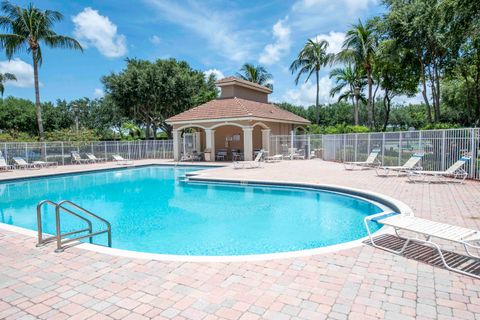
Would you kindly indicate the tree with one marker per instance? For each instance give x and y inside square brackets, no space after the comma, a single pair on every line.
[151,92]
[256,74]
[26,29]
[4,77]
[310,60]
[359,47]
[350,83]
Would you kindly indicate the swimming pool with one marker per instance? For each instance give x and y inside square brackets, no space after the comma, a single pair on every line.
[151,209]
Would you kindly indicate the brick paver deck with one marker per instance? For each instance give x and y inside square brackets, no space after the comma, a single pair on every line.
[359,283]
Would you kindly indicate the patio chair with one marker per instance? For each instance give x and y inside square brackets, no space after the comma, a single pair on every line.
[20,163]
[94,158]
[371,162]
[237,155]
[249,164]
[410,165]
[274,158]
[186,157]
[454,173]
[221,155]
[3,164]
[76,158]
[431,230]
[121,160]
[296,154]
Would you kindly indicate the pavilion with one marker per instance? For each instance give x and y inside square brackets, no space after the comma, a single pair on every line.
[240,120]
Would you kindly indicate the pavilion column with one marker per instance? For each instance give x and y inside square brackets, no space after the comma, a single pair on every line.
[210,142]
[197,137]
[177,138]
[266,139]
[248,143]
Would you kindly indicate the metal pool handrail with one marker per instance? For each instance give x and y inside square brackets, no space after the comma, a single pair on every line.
[59,237]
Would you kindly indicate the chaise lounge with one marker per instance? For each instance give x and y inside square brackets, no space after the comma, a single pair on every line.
[430,230]
[249,164]
[410,165]
[371,162]
[454,173]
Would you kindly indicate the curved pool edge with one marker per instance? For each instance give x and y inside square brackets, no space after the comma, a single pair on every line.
[385,200]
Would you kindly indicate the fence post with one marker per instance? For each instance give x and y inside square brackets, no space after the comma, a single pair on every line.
[308,146]
[356,146]
[344,146]
[128,148]
[105,150]
[420,140]
[399,148]
[291,145]
[46,153]
[473,155]
[63,154]
[26,151]
[383,148]
[443,150]
[368,144]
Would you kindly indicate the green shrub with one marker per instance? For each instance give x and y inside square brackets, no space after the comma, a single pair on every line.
[16,136]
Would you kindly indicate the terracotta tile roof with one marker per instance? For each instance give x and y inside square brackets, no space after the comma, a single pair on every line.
[236,108]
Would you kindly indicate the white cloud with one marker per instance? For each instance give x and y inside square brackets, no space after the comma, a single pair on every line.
[93,29]
[305,94]
[155,40]
[334,39]
[274,51]
[217,73]
[22,71]
[216,28]
[98,93]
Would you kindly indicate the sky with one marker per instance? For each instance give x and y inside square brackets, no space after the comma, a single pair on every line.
[214,36]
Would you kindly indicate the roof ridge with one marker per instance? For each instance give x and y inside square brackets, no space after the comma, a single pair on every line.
[242,105]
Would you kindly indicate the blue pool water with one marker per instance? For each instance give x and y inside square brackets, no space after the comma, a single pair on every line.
[152,210]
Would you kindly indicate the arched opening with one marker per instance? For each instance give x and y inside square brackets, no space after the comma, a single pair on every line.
[229,142]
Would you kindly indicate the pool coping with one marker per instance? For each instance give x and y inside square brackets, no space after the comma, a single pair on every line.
[385,200]
[118,167]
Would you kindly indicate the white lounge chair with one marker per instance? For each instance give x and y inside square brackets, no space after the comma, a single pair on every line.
[20,163]
[249,164]
[274,158]
[470,239]
[295,154]
[410,165]
[454,173]
[121,160]
[93,158]
[76,158]
[4,166]
[45,164]
[371,162]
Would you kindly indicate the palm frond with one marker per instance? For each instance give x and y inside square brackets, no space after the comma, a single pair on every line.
[58,41]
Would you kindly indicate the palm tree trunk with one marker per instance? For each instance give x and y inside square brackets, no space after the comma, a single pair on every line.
[357,122]
[370,109]
[317,110]
[37,98]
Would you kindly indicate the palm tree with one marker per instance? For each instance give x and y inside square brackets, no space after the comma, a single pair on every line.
[310,60]
[256,74]
[359,47]
[4,77]
[350,83]
[25,29]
